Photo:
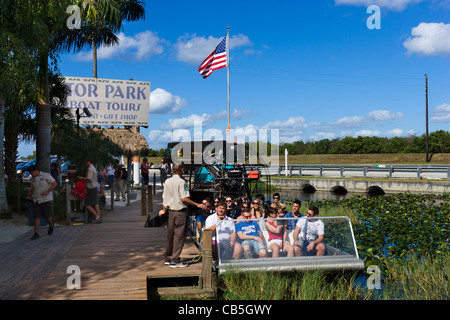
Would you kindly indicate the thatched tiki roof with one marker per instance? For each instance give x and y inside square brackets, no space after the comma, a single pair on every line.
[132,143]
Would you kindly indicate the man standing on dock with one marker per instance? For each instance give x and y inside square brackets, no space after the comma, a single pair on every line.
[42,185]
[175,200]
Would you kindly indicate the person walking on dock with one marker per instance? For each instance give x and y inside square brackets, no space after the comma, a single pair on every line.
[91,202]
[176,197]
[42,185]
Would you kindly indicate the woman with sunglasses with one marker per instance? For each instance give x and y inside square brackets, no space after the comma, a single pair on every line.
[256,209]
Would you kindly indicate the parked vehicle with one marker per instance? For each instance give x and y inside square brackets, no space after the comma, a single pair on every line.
[22,169]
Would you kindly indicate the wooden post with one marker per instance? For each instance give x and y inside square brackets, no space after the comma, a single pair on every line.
[68,204]
[128,191]
[19,192]
[112,195]
[207,260]
[143,200]
[150,199]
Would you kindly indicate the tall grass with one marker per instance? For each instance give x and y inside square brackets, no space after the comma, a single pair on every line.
[260,285]
[418,278]
[412,279]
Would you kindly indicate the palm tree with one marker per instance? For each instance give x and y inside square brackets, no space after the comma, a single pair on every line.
[108,15]
[19,38]
[102,18]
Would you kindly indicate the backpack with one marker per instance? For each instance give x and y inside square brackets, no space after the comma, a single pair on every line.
[124,174]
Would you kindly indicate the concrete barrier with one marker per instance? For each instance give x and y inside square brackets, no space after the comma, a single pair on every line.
[361,186]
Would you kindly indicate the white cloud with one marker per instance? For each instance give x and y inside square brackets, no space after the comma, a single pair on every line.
[441,113]
[240,114]
[188,122]
[367,133]
[377,116]
[397,5]
[429,39]
[139,47]
[204,120]
[289,127]
[322,135]
[384,115]
[163,102]
[194,50]
[394,133]
[378,133]
[346,122]
[159,139]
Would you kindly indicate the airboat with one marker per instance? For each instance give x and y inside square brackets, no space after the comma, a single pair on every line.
[215,169]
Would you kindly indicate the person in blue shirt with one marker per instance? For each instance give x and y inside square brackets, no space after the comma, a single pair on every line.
[202,215]
[294,214]
[250,235]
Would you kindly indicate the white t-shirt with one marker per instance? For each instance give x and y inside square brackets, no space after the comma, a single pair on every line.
[224,228]
[92,175]
[313,229]
[40,184]
[110,170]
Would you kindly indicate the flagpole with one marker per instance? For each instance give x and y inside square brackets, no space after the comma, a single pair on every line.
[228,82]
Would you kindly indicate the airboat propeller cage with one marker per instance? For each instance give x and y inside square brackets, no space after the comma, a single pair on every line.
[205,152]
[217,169]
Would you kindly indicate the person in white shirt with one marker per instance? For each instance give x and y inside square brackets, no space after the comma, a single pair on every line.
[224,236]
[42,185]
[309,234]
[110,174]
[91,202]
[175,200]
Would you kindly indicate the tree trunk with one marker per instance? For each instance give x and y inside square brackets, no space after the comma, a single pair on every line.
[94,54]
[3,201]
[11,135]
[43,119]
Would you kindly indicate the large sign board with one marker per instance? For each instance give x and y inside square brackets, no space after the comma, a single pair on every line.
[111,102]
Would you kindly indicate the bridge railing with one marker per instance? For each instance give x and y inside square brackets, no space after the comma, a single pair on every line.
[364,170]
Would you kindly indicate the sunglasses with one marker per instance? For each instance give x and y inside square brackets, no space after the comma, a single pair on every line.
[276,198]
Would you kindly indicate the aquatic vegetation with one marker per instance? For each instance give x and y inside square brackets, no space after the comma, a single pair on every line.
[405,235]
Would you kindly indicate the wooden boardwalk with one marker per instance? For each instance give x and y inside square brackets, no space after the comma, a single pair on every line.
[114,257]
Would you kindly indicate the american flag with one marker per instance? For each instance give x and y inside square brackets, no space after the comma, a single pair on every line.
[215,61]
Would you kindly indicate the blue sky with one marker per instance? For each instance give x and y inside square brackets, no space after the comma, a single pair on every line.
[310,69]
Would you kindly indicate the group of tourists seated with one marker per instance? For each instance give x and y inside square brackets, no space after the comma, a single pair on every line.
[251,229]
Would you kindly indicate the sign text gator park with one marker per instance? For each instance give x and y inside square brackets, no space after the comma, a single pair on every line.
[111,102]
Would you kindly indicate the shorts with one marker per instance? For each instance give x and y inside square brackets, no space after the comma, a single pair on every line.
[253,244]
[305,252]
[91,197]
[278,242]
[42,210]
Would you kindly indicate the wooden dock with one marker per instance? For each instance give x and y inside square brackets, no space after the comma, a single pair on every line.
[115,258]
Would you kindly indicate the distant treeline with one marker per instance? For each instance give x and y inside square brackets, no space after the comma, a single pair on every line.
[438,142]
